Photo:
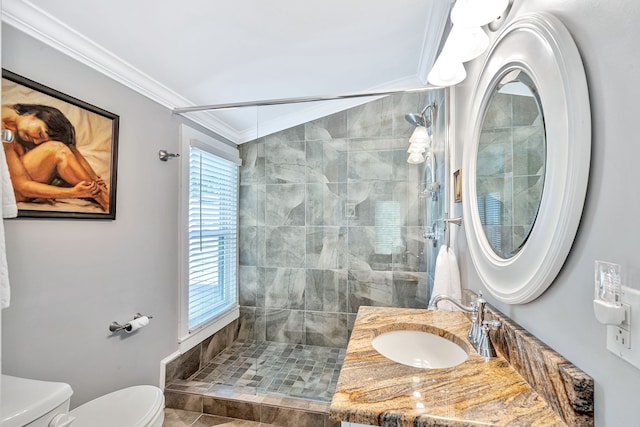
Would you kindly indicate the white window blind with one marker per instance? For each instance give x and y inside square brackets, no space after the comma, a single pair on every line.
[388,223]
[212,233]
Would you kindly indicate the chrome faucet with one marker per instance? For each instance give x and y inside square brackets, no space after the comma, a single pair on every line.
[478,334]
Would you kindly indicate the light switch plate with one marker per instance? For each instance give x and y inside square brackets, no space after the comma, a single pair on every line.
[624,340]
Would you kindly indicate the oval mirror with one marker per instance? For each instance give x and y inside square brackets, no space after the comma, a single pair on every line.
[526,160]
[510,163]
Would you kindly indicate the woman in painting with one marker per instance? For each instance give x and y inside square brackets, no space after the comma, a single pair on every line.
[44,149]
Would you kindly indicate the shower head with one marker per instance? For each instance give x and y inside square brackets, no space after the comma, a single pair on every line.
[419,119]
[415,119]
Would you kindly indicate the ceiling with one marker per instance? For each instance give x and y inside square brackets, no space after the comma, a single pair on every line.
[204,52]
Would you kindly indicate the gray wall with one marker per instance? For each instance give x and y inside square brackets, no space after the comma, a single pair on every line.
[71,278]
[308,230]
[607,36]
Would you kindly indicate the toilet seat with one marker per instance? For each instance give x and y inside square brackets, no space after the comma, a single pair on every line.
[137,406]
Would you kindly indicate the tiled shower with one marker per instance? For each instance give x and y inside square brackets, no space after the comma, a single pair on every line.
[331,218]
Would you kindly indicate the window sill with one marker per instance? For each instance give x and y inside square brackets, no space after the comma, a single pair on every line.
[203,332]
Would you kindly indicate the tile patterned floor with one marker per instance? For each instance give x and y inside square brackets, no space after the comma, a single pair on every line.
[278,369]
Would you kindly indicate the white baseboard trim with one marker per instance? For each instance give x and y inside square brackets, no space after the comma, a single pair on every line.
[163,367]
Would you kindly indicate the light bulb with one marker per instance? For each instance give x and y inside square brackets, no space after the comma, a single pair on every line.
[415,158]
[446,72]
[420,135]
[476,13]
[416,148]
[465,43]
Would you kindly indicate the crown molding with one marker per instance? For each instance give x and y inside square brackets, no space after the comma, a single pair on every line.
[33,21]
[428,55]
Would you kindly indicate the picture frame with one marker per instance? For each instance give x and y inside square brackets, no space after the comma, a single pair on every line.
[457,186]
[64,153]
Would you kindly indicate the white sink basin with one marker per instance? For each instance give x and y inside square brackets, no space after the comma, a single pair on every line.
[419,349]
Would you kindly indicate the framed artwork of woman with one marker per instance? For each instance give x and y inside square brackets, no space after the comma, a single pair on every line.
[62,158]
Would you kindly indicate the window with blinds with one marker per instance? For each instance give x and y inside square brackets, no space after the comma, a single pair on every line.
[388,224]
[212,236]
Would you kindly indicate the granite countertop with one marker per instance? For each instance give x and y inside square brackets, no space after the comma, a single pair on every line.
[376,391]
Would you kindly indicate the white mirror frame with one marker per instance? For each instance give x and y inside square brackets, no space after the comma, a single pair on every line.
[540,45]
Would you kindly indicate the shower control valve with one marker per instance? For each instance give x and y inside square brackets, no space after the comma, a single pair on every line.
[429,235]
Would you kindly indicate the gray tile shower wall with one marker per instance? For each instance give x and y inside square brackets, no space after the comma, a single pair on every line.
[330,219]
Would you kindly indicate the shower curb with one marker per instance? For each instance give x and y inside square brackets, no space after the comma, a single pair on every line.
[224,402]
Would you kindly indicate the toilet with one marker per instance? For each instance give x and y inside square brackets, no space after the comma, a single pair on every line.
[35,403]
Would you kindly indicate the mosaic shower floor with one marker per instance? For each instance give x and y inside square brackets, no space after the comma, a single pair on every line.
[278,369]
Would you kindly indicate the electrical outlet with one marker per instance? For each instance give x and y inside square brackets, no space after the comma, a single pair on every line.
[624,340]
[622,337]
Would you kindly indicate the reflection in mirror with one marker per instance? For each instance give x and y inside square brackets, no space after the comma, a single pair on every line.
[511,163]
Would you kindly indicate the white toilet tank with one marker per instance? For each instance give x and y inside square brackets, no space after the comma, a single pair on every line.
[137,406]
[32,403]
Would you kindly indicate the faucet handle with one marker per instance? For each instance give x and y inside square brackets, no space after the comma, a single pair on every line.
[485,346]
[492,324]
[472,335]
[478,300]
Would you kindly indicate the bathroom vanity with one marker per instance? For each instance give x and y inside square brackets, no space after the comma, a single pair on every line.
[374,390]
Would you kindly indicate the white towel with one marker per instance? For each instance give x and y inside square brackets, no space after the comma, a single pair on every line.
[447,278]
[9,210]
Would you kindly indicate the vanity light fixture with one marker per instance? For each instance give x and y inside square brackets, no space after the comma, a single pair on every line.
[466,40]
[415,158]
[446,72]
[420,138]
[416,152]
[476,13]
[465,43]
[418,143]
